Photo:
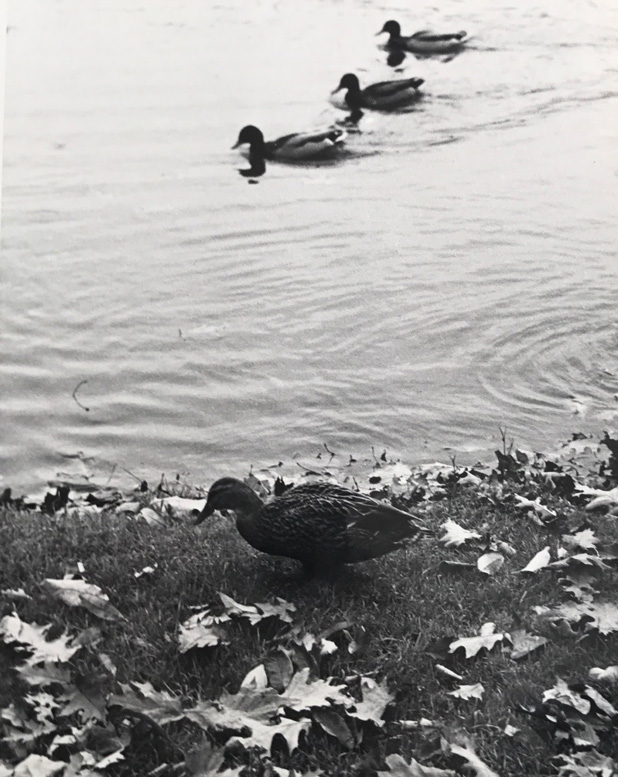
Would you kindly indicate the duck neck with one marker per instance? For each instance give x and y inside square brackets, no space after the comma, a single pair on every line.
[246,502]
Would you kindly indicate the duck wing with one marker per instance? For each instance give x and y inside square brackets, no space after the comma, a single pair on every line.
[390,89]
[360,527]
[431,37]
[302,145]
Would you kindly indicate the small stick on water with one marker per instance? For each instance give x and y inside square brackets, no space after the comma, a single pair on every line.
[75,390]
[332,455]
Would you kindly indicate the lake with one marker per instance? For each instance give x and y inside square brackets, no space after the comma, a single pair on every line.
[456,273]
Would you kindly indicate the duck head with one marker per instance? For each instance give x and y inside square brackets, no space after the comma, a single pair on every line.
[393,28]
[230,494]
[350,82]
[251,135]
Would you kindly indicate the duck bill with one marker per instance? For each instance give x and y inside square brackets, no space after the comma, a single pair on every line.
[236,145]
[206,513]
[338,89]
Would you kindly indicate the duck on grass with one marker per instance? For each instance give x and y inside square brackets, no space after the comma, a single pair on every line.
[319,524]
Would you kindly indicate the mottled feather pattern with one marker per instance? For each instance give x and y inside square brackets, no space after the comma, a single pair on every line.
[320,524]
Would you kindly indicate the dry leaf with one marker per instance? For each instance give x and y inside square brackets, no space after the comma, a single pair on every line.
[474,691]
[38,766]
[456,535]
[398,767]
[473,761]
[486,640]
[490,563]
[525,643]
[607,675]
[539,561]
[202,630]
[32,637]
[78,593]
[335,725]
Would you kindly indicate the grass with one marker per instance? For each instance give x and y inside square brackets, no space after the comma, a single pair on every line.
[397,609]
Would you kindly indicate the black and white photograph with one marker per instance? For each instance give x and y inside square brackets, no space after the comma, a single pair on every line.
[309,388]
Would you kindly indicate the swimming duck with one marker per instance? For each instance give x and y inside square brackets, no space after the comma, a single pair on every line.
[424,41]
[297,146]
[385,95]
[320,524]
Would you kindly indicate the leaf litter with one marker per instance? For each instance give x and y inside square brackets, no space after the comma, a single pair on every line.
[284,699]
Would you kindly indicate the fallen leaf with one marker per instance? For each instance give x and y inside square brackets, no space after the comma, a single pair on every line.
[398,767]
[78,593]
[536,506]
[473,761]
[376,697]
[333,723]
[38,766]
[159,706]
[490,563]
[151,517]
[15,593]
[201,630]
[33,639]
[540,560]
[525,643]
[456,535]
[474,691]
[564,695]
[486,640]
[585,539]
[607,675]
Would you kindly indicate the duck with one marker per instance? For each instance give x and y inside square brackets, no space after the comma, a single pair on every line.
[297,146]
[322,525]
[384,95]
[423,41]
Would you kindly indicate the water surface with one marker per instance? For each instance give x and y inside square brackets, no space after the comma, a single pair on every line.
[456,273]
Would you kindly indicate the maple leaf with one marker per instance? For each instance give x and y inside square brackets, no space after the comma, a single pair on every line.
[472,760]
[303,694]
[260,611]
[202,630]
[535,505]
[587,764]
[376,697]
[456,535]
[587,559]
[159,706]
[490,563]
[78,593]
[32,638]
[38,766]
[43,705]
[585,539]
[563,695]
[206,761]
[525,643]
[398,767]
[599,616]
[44,675]
[539,561]
[475,691]
[486,640]
[86,696]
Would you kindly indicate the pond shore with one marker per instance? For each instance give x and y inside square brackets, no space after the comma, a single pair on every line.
[439,654]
